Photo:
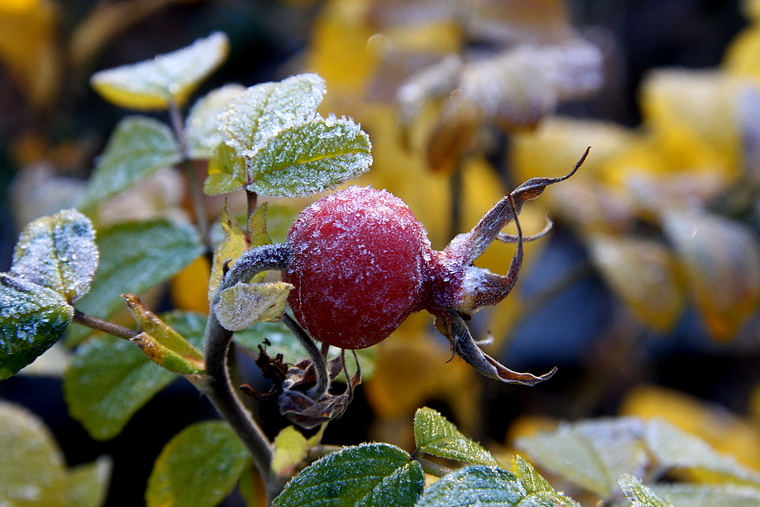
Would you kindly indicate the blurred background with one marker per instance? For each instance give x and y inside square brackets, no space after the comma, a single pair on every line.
[646,292]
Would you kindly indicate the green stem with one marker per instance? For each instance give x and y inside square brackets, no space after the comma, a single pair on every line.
[319,361]
[219,388]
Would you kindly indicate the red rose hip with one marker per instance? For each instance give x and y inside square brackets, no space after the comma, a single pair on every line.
[357,260]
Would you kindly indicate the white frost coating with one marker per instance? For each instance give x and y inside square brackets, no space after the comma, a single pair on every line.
[263,110]
[171,74]
[244,304]
[202,125]
[310,157]
[59,253]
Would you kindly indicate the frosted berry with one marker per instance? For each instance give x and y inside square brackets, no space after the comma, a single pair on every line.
[357,262]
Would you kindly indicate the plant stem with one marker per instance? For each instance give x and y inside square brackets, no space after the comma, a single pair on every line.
[318,360]
[193,183]
[219,388]
[102,325]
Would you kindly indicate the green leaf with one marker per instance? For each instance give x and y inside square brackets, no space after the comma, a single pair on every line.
[164,356]
[153,84]
[640,495]
[198,467]
[591,454]
[350,476]
[713,495]
[162,333]
[135,256]
[110,379]
[538,487]
[401,489]
[673,448]
[58,252]
[435,435]
[202,124]
[32,471]
[32,318]
[138,147]
[310,157]
[258,113]
[89,482]
[244,304]
[290,450]
[227,171]
[475,485]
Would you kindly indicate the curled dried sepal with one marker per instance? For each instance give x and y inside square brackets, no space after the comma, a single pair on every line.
[489,227]
[453,327]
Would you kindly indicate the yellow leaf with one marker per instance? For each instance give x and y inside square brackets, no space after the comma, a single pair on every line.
[721,261]
[724,431]
[558,142]
[29,48]
[692,114]
[643,274]
[153,84]
[189,286]
[338,49]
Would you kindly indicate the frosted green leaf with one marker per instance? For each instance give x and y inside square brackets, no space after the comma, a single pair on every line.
[673,448]
[347,477]
[435,435]
[202,124]
[290,449]
[309,158]
[153,84]
[226,171]
[712,495]
[537,487]
[591,454]
[138,147]
[640,495]
[401,489]
[89,482]
[475,485]
[32,318]
[198,467]
[244,304]
[58,252]
[32,468]
[136,256]
[261,111]
[110,379]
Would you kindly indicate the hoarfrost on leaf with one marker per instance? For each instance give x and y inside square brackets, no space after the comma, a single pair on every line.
[32,318]
[58,252]
[310,157]
[138,148]
[154,84]
[264,109]
[244,304]
[202,124]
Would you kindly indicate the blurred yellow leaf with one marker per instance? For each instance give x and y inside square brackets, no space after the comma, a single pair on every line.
[339,52]
[721,261]
[643,274]
[751,9]
[724,431]
[558,142]
[530,21]
[413,367]
[189,286]
[153,84]
[28,46]
[693,115]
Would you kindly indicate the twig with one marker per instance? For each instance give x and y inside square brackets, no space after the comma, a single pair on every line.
[102,325]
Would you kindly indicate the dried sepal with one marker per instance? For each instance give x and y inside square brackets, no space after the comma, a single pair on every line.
[454,328]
